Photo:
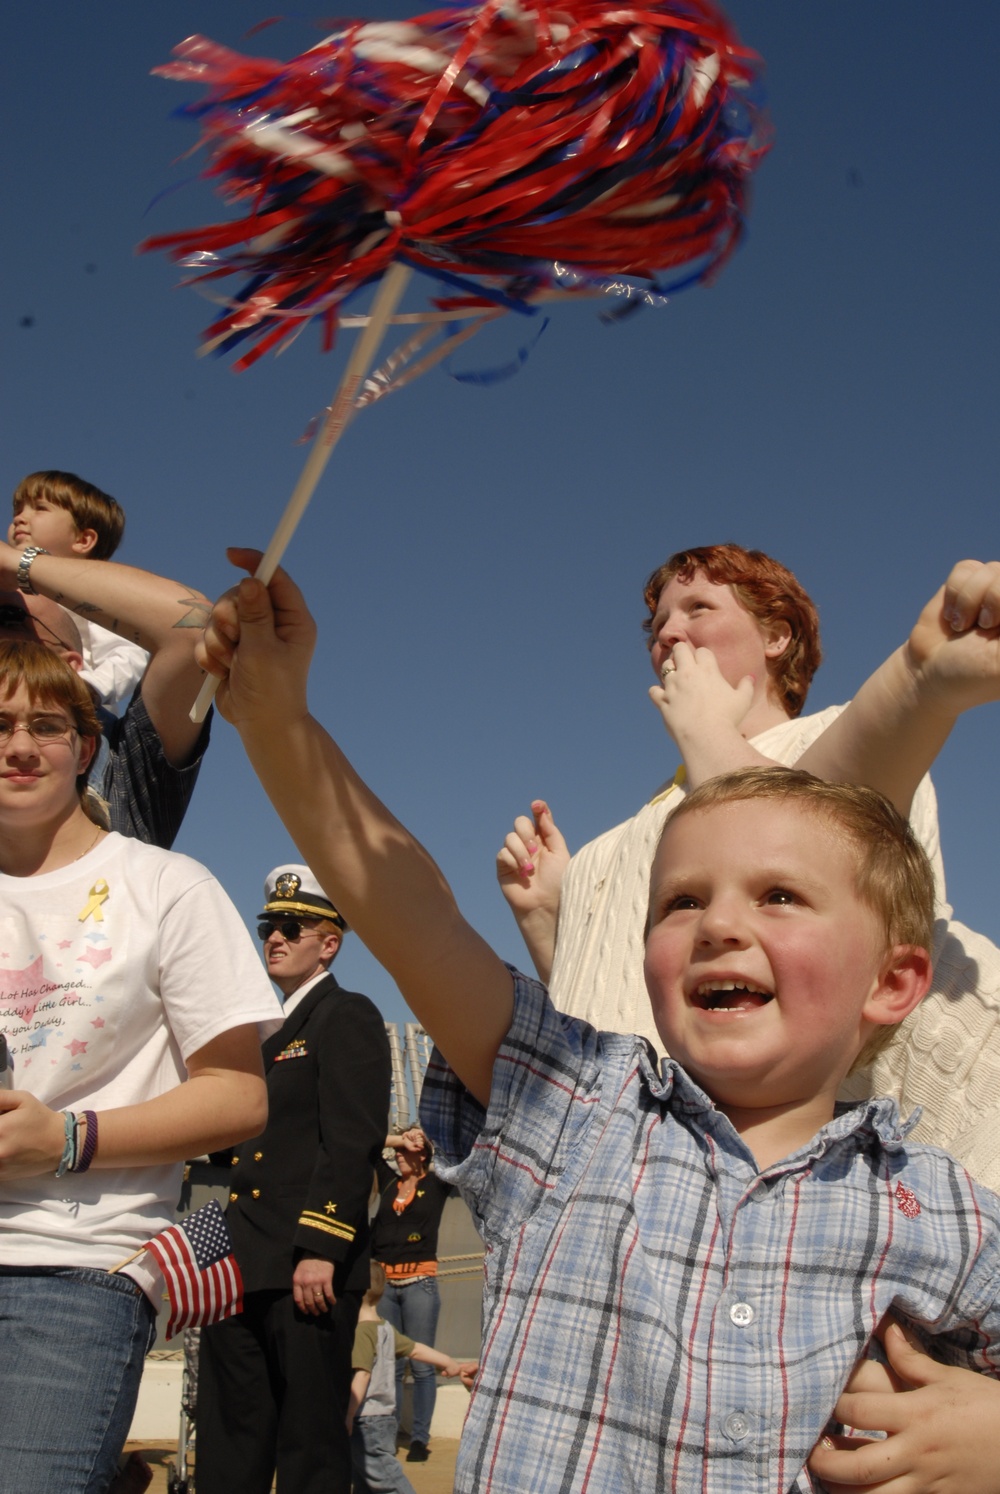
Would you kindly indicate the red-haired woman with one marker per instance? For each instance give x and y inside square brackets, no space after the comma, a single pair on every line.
[731,632]
[130,995]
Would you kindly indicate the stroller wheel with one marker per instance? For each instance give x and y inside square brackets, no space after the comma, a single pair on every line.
[177,1483]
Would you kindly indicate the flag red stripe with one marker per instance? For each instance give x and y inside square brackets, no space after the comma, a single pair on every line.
[196,1296]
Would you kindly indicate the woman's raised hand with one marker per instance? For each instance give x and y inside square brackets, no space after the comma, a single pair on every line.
[703,712]
[413,1140]
[695,698]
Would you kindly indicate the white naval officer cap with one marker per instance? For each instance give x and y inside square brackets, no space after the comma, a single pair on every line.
[294,889]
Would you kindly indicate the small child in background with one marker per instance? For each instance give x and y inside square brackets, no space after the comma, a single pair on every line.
[59,513]
[371,1417]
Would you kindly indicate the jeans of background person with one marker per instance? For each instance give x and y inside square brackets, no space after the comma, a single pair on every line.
[377,1470]
[72,1346]
[413,1310]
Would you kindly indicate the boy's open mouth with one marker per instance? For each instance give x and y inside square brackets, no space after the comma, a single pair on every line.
[730,996]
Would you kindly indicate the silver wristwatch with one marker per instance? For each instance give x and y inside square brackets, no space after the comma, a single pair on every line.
[24,567]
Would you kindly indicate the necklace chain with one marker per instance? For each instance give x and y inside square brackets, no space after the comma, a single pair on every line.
[87,849]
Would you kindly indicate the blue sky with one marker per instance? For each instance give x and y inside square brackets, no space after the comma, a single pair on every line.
[475,556]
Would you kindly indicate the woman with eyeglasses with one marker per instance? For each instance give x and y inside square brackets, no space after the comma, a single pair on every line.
[132,1003]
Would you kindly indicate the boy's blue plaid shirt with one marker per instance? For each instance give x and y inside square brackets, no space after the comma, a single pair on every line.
[661,1316]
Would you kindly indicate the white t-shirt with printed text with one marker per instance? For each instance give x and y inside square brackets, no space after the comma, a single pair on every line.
[113,971]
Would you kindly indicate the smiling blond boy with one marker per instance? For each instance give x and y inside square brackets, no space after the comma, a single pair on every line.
[682,1266]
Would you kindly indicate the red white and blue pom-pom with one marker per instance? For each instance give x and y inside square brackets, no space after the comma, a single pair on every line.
[511,150]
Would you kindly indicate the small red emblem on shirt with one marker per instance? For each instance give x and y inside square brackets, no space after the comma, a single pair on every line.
[906,1201]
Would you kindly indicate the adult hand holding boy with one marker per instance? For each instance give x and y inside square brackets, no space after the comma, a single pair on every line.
[941,1426]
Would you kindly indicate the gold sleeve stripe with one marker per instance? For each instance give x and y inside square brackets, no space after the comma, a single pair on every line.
[314,1213]
[343,1232]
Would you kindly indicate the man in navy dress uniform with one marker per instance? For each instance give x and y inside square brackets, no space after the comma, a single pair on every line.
[274,1383]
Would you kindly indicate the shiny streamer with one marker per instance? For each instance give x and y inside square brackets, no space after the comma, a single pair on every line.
[508,150]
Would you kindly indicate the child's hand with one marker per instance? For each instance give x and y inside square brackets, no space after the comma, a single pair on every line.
[259,642]
[943,1427]
[695,698]
[531,862]
[954,648]
[469,1372]
[451,1370]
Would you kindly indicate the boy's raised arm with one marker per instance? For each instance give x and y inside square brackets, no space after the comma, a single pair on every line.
[158,614]
[895,726]
[259,643]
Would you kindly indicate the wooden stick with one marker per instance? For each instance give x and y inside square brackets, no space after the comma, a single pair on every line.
[387,298]
[133,1257]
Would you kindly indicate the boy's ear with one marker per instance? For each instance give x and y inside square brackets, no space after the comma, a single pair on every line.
[777,640]
[902,984]
[85,541]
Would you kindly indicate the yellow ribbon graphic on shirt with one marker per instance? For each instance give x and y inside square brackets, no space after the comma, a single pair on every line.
[98,895]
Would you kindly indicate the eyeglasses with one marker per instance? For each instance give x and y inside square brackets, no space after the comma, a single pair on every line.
[42,730]
[289,928]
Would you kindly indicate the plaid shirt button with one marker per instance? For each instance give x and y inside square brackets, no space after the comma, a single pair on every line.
[742,1314]
[736,1426]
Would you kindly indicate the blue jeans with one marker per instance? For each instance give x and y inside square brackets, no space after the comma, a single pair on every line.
[377,1470]
[72,1346]
[414,1310]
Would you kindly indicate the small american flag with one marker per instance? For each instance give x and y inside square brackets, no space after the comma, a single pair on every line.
[203,1280]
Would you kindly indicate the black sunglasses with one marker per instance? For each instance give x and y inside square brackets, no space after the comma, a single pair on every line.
[288,928]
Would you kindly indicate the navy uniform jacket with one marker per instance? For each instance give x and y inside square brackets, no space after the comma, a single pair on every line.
[302,1186]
